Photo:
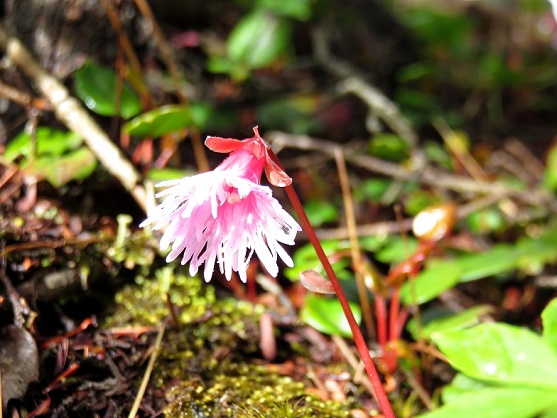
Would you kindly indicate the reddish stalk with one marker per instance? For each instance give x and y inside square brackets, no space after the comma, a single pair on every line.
[361,345]
[381,314]
[394,311]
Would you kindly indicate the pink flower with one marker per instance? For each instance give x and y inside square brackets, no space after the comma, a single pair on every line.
[225,215]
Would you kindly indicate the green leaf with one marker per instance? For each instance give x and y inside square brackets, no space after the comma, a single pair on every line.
[551,413]
[96,87]
[160,121]
[448,322]
[485,221]
[163,174]
[258,39]
[396,250]
[534,253]
[47,142]
[75,165]
[501,353]
[372,189]
[326,315]
[297,9]
[550,175]
[320,212]
[388,146]
[462,385]
[305,258]
[496,403]
[549,318]
[499,259]
[431,282]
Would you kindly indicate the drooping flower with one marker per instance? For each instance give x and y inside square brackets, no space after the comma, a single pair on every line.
[225,215]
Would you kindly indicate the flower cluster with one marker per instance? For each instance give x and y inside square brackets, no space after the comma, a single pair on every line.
[225,215]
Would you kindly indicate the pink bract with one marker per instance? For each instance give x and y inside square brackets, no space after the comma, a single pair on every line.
[225,215]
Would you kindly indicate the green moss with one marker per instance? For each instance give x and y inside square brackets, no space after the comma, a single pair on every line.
[242,390]
[205,365]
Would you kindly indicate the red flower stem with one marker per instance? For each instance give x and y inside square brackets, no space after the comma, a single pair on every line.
[394,311]
[381,314]
[356,332]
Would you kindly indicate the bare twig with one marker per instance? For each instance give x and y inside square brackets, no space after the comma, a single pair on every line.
[380,106]
[22,98]
[429,175]
[355,252]
[70,111]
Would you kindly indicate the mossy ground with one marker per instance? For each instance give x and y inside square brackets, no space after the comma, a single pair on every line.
[209,364]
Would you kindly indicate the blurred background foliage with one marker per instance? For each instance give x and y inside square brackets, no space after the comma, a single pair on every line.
[462,314]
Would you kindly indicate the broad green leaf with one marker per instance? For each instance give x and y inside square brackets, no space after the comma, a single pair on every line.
[549,318]
[95,85]
[500,353]
[319,212]
[160,121]
[47,142]
[448,322]
[496,403]
[258,39]
[372,189]
[396,249]
[499,259]
[431,282]
[75,165]
[550,413]
[305,258]
[326,315]
[297,9]
[534,253]
[462,385]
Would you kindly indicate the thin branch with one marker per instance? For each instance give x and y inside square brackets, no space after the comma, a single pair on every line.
[428,175]
[70,111]
[355,251]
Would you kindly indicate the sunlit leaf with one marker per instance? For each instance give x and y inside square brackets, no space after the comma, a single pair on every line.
[496,402]
[160,121]
[396,249]
[388,146]
[47,142]
[75,165]
[500,258]
[258,39]
[549,318]
[320,212]
[430,283]
[448,321]
[163,174]
[485,221]
[297,9]
[326,315]
[501,353]
[95,85]
[534,253]
[305,258]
